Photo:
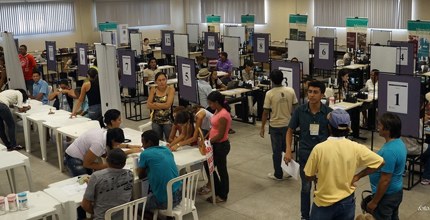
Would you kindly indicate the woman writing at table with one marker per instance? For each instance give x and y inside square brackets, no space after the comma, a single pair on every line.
[185,120]
[175,127]
[84,154]
[91,89]
[112,119]
[202,118]
[218,136]
[160,101]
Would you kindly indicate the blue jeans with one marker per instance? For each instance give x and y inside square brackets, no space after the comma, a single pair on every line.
[94,112]
[305,193]
[341,210]
[277,137]
[152,202]
[162,130]
[426,160]
[75,166]
[388,207]
[6,117]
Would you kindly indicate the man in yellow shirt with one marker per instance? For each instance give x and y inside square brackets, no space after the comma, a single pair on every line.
[332,164]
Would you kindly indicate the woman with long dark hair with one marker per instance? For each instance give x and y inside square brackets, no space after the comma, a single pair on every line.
[160,101]
[218,136]
[185,120]
[343,83]
[91,89]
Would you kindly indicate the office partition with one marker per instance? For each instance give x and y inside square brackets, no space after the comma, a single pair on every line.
[15,78]
[231,47]
[108,77]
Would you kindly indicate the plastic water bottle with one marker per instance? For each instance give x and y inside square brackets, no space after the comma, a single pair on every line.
[11,199]
[2,206]
[22,201]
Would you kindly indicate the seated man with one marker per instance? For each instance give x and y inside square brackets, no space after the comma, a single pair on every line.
[225,65]
[109,187]
[248,73]
[157,163]
[40,89]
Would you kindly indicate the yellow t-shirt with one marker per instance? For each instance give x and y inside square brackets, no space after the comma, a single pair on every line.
[335,162]
[280,101]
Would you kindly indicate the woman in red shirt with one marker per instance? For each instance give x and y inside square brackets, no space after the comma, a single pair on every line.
[218,136]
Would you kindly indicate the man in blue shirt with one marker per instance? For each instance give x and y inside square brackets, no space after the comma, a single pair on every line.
[157,163]
[387,183]
[312,120]
[40,89]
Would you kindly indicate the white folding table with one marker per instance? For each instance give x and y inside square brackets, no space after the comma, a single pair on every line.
[54,124]
[185,157]
[40,205]
[69,193]
[60,117]
[11,160]
[36,107]
[72,131]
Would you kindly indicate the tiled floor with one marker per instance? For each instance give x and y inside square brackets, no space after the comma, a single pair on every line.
[252,194]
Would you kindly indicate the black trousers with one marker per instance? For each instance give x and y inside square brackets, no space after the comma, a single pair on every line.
[221,179]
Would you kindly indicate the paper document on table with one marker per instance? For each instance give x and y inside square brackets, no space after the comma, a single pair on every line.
[293,168]
[338,107]
[74,189]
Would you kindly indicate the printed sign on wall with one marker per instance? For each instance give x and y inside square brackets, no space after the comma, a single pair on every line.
[186,75]
[397,97]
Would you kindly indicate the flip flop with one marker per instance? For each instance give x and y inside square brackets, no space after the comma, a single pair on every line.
[217,200]
[204,190]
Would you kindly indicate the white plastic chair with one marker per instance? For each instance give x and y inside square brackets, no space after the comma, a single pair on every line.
[129,210]
[49,92]
[329,92]
[339,62]
[187,205]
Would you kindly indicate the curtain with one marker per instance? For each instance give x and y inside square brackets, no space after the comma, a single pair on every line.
[231,11]
[133,12]
[37,17]
[392,14]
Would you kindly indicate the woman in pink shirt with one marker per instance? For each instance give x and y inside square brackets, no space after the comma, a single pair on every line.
[218,136]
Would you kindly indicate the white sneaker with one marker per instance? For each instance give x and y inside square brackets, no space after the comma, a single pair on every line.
[273,177]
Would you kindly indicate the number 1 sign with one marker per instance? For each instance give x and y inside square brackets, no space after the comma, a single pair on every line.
[397,97]
[400,95]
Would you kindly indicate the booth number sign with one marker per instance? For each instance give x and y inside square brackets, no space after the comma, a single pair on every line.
[186,75]
[397,97]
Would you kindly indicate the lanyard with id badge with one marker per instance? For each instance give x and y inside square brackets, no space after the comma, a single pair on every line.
[314,129]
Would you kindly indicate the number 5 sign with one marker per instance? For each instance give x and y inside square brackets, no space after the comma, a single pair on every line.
[397,97]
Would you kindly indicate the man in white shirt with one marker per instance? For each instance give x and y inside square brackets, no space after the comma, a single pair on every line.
[371,87]
[10,98]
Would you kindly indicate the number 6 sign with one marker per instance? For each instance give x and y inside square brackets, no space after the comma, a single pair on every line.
[324,51]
